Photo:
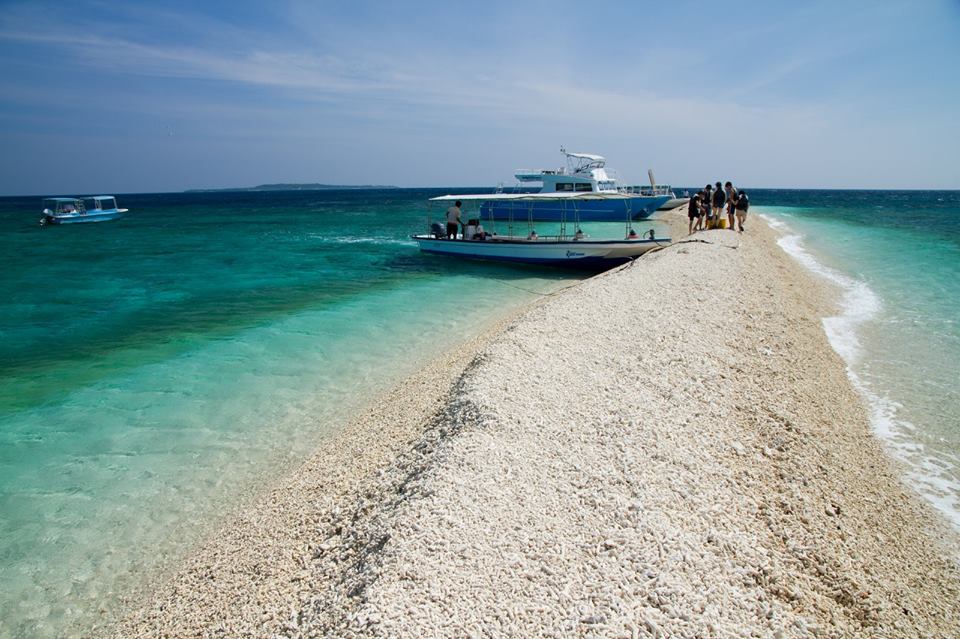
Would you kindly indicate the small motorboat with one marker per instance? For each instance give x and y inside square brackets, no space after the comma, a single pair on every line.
[71,210]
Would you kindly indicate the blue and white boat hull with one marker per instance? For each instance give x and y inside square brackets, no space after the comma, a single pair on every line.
[589,254]
[79,218]
[586,210]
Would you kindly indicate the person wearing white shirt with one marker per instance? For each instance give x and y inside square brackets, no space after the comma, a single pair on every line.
[453,220]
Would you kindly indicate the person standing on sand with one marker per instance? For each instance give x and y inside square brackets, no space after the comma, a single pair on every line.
[707,219]
[743,203]
[693,211]
[719,199]
[453,220]
[698,224]
[731,202]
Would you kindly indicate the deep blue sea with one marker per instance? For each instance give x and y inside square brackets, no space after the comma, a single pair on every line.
[156,371]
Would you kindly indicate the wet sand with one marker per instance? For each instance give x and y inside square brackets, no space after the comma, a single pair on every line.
[668,449]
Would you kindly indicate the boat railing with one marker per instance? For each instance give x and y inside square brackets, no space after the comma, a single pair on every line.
[532,173]
[505,237]
[649,191]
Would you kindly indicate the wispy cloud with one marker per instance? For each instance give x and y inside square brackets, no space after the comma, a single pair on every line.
[501,77]
[287,69]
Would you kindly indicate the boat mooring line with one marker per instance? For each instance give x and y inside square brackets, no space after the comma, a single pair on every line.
[559,290]
[714,243]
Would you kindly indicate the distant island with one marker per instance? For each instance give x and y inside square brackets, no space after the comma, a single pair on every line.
[295,187]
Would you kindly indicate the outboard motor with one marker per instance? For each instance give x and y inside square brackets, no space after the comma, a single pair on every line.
[438,231]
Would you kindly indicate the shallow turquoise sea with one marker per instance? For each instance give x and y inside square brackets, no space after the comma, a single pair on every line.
[157,370]
[895,256]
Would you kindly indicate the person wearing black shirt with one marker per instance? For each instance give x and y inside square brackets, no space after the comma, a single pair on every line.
[743,204]
[719,199]
[707,218]
[693,211]
[731,202]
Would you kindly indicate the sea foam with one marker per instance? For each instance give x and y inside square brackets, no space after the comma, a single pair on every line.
[858,305]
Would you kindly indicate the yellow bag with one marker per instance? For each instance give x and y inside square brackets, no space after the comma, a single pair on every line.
[721,224]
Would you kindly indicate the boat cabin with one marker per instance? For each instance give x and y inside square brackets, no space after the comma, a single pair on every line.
[100,203]
[584,173]
[63,205]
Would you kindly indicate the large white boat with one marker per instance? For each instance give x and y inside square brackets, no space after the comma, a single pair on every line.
[564,249]
[584,173]
[71,210]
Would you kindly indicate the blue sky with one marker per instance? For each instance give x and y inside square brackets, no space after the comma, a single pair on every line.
[165,96]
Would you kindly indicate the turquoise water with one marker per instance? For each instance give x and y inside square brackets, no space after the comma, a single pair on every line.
[157,370]
[896,257]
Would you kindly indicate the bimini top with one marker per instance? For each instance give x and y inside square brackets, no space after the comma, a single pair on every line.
[99,197]
[61,199]
[586,156]
[586,195]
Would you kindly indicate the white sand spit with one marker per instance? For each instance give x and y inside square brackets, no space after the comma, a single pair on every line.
[667,450]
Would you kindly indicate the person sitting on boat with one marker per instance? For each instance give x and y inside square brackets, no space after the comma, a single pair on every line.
[632,235]
[479,233]
[533,236]
[453,220]
[578,235]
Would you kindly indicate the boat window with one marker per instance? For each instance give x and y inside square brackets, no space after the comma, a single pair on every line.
[564,186]
[584,186]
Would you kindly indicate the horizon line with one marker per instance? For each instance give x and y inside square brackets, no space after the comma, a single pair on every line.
[364,187]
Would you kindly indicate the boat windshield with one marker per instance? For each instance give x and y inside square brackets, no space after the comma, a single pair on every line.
[105,203]
[62,205]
